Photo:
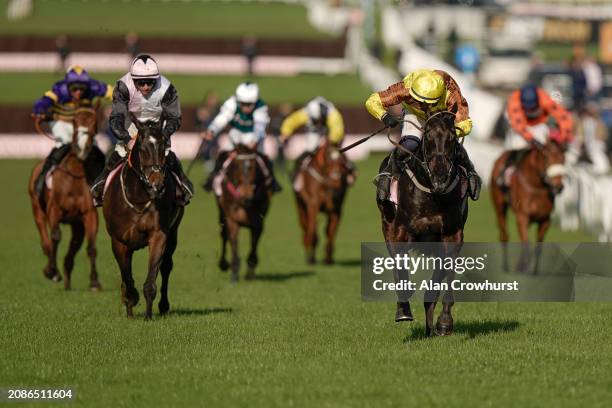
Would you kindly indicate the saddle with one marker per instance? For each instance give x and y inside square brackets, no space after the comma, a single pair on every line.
[220,176]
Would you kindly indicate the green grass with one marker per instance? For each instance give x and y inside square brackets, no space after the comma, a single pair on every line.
[298,336]
[25,88]
[161,18]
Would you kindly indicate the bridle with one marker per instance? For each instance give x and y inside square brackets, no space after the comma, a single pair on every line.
[451,183]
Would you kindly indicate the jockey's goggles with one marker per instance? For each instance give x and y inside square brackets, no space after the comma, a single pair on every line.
[247,104]
[143,82]
[77,87]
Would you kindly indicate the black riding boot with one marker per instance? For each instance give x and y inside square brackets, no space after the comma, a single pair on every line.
[474,182]
[383,180]
[97,190]
[208,184]
[175,166]
[271,179]
[53,159]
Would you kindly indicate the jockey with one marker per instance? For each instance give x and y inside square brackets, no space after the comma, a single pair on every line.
[528,112]
[76,90]
[247,116]
[323,122]
[423,93]
[149,96]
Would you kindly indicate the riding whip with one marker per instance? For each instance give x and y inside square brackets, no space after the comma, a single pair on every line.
[360,141]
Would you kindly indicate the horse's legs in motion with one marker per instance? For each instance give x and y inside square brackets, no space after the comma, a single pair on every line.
[542,228]
[166,268]
[501,210]
[223,265]
[444,325]
[431,299]
[332,227]
[40,219]
[256,230]
[129,294]
[78,233]
[51,270]
[303,218]
[91,231]
[233,228]
[157,248]
[522,221]
[310,237]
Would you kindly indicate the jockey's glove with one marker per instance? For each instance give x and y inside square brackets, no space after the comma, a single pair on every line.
[389,120]
[121,149]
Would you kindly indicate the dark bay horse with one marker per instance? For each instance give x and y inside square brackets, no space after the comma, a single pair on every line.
[530,191]
[320,184]
[69,201]
[431,206]
[140,210]
[243,201]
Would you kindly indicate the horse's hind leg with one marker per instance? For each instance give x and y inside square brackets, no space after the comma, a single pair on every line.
[91,231]
[332,227]
[223,264]
[431,299]
[542,228]
[157,248]
[522,222]
[165,269]
[310,237]
[129,294]
[233,228]
[40,219]
[253,260]
[78,233]
[501,211]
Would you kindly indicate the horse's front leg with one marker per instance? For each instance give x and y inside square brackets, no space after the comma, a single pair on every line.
[542,228]
[232,229]
[129,294]
[431,299]
[91,231]
[452,246]
[332,228]
[157,247]
[78,233]
[252,261]
[522,221]
[51,270]
[310,236]
[166,268]
[223,264]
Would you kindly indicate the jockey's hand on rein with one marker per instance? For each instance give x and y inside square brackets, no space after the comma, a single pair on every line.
[389,120]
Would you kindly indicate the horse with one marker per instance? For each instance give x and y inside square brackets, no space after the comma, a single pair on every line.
[533,184]
[69,201]
[243,200]
[140,210]
[431,206]
[320,185]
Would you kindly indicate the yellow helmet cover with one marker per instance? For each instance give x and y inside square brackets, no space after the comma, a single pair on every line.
[427,86]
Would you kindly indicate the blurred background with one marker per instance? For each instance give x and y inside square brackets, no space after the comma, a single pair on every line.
[341,49]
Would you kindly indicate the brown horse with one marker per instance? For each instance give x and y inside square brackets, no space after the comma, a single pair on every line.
[431,206]
[69,202]
[243,201]
[532,185]
[140,210]
[320,185]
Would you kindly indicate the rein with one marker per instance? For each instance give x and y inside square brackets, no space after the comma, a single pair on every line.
[125,197]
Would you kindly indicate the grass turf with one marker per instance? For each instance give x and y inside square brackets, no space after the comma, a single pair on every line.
[163,18]
[297,336]
[345,89]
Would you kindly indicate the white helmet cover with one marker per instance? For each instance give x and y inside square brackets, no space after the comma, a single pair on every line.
[144,67]
[247,92]
[317,107]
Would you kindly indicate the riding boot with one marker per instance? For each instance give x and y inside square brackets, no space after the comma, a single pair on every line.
[474,181]
[514,157]
[97,190]
[271,179]
[393,168]
[54,158]
[208,184]
[175,166]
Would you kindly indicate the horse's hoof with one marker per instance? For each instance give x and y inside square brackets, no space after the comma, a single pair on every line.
[329,261]
[444,327]
[163,308]
[310,261]
[95,287]
[56,278]
[429,332]
[235,278]
[250,275]
[224,265]
[403,312]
